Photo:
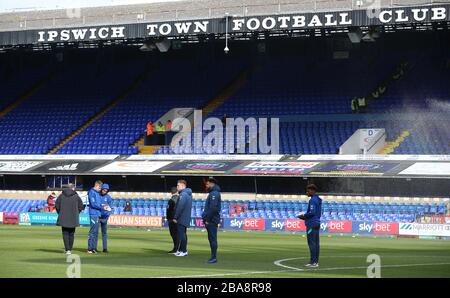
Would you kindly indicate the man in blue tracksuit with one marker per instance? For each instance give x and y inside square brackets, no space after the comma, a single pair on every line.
[95,211]
[183,216]
[106,202]
[211,216]
[312,223]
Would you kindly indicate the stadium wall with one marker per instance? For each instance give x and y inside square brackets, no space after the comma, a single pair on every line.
[331,227]
[42,195]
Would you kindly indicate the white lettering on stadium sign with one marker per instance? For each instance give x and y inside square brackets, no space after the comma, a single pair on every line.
[179,28]
[246,24]
[81,34]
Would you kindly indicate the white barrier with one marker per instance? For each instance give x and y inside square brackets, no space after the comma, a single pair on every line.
[364,141]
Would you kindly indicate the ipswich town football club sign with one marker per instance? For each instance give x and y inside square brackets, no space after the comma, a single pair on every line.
[236,24]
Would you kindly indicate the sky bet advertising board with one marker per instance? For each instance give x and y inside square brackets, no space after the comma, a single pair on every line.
[375,228]
[297,225]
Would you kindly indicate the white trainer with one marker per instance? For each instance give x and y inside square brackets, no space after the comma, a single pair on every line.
[181,254]
[68,252]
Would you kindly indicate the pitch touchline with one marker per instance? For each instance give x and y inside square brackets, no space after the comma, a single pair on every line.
[278,263]
[224,274]
[294,269]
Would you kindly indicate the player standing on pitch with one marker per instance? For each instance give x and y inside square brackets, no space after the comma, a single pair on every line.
[170,214]
[106,202]
[211,216]
[183,216]
[95,211]
[312,222]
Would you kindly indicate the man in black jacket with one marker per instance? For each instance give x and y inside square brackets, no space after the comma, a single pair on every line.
[170,214]
[211,216]
[68,205]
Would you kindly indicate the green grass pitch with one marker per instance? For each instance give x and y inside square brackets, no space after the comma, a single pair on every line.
[37,251]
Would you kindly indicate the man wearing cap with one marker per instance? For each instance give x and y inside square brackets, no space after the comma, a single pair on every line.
[312,223]
[106,202]
[211,215]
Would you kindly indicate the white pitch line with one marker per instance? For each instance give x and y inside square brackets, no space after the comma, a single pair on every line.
[294,269]
[382,266]
[226,274]
[278,263]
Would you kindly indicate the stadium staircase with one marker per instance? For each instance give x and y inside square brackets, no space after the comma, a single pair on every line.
[226,93]
[391,146]
[148,149]
[136,83]
[209,107]
[26,95]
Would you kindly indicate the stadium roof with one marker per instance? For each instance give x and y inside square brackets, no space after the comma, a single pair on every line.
[181,10]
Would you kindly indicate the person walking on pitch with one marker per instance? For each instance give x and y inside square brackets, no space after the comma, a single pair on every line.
[68,206]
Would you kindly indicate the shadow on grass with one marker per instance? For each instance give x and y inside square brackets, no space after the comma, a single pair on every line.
[61,251]
[159,262]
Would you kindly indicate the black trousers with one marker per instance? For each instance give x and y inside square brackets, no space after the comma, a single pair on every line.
[174,234]
[182,236]
[212,237]
[68,237]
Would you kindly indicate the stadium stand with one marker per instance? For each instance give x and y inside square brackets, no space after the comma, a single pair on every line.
[317,85]
[116,130]
[310,96]
[48,116]
[9,77]
[269,209]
